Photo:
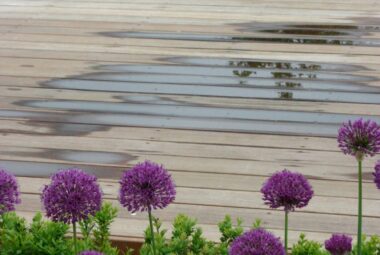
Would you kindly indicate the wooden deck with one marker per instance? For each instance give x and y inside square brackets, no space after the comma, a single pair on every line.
[222,92]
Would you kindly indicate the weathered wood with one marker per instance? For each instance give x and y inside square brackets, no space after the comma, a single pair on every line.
[218,166]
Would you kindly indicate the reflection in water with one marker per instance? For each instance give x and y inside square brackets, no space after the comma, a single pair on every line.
[304,32]
[289,38]
[285,84]
[276,65]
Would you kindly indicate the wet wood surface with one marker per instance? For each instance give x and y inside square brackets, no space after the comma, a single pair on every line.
[222,93]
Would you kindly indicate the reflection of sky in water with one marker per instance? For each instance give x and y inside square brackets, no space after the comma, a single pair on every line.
[204,90]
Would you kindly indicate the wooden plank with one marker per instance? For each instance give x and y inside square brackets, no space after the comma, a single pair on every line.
[162,44]
[230,6]
[257,164]
[10,95]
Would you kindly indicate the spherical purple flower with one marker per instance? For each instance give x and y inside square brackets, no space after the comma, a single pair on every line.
[91,253]
[9,192]
[376,174]
[145,187]
[339,244]
[71,196]
[287,189]
[257,242]
[359,138]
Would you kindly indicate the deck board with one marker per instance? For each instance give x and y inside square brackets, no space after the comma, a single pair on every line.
[79,87]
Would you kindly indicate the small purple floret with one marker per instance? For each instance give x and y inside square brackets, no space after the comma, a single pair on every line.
[359,138]
[71,196]
[145,187]
[90,253]
[376,174]
[287,189]
[339,244]
[257,242]
[9,192]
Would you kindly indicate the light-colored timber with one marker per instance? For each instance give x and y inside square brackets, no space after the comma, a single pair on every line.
[223,93]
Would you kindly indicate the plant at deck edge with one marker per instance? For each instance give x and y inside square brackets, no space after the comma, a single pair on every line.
[359,139]
[145,187]
[71,197]
[257,241]
[9,192]
[288,190]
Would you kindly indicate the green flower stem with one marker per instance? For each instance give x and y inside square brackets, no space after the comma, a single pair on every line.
[75,238]
[286,230]
[360,208]
[152,232]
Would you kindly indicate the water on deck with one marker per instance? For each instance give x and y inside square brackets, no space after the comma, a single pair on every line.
[223,93]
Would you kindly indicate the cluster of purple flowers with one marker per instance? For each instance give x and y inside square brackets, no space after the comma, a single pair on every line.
[376,174]
[257,242]
[359,138]
[339,244]
[71,196]
[287,189]
[9,192]
[145,187]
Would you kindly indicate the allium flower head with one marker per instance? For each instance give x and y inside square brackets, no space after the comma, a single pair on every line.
[257,242]
[90,253]
[359,138]
[145,187]
[287,189]
[376,174]
[339,244]
[71,196]
[9,192]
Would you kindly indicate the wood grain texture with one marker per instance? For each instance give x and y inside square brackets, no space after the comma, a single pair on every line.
[223,93]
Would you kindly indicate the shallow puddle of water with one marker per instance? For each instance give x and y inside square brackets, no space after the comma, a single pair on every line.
[93,156]
[36,169]
[219,91]
[239,69]
[230,38]
[264,64]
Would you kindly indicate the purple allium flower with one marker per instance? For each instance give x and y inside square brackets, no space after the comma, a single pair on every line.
[359,138]
[145,187]
[9,192]
[90,253]
[376,174]
[287,189]
[339,244]
[71,196]
[257,242]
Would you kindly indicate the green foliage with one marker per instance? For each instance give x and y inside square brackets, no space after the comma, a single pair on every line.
[307,247]
[51,238]
[96,231]
[229,233]
[370,246]
[188,239]
[41,237]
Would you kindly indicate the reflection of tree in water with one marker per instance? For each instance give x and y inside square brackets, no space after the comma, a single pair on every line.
[287,85]
[241,73]
[275,65]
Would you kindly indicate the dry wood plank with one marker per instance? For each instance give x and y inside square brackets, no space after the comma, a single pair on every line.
[182,18]
[181,14]
[231,6]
